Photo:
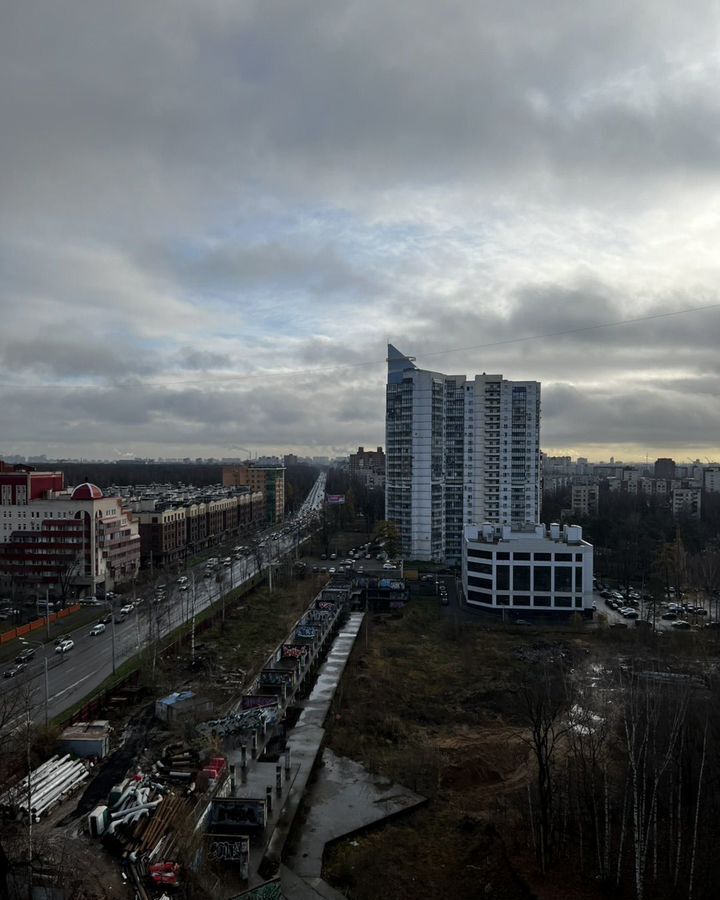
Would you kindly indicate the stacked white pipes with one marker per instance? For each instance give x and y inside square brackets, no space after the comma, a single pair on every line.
[50,784]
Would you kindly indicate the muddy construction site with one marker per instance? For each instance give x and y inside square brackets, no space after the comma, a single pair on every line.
[436,707]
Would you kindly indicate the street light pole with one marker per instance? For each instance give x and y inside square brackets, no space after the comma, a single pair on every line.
[45,665]
[112,633]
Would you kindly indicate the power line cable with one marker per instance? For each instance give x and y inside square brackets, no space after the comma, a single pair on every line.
[220,378]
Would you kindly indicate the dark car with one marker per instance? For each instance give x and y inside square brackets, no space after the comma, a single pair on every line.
[669,616]
[26,655]
[14,670]
[106,619]
[444,600]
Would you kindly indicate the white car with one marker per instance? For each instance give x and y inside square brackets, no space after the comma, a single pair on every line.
[128,608]
[97,629]
[331,570]
[389,566]
[64,646]
[183,587]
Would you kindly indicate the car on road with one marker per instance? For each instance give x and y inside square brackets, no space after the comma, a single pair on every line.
[106,619]
[97,628]
[128,608]
[25,655]
[65,646]
[388,566]
[14,670]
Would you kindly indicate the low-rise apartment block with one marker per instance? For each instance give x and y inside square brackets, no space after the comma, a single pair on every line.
[67,541]
[530,571]
[268,479]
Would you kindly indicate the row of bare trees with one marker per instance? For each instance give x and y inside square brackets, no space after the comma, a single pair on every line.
[625,779]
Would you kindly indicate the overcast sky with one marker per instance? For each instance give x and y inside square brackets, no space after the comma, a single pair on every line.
[214,215]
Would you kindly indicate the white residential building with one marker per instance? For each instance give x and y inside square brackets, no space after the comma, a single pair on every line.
[458,451]
[531,571]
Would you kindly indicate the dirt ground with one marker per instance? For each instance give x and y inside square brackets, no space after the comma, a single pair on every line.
[432,706]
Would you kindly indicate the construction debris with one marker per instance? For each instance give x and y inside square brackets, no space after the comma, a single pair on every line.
[48,785]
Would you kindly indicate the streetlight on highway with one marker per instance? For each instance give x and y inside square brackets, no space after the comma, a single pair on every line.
[42,647]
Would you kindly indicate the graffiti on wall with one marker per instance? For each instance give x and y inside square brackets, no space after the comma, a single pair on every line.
[293,651]
[233,814]
[230,848]
[252,701]
[306,631]
[275,677]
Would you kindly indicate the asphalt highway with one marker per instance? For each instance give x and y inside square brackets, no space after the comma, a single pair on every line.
[76,673]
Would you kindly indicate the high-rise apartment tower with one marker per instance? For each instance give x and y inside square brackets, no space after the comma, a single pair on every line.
[459,452]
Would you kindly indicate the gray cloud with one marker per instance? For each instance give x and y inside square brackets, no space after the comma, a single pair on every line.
[193,205]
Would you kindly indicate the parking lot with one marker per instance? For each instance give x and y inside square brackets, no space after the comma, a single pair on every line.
[663,616]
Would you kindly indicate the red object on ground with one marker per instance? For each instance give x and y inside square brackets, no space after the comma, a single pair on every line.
[165,873]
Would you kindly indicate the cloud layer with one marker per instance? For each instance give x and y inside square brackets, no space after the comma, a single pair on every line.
[215,215]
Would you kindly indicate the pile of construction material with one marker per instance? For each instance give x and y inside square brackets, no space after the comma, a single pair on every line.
[246,720]
[49,784]
[179,764]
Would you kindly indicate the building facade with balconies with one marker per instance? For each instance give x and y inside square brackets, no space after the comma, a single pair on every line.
[65,541]
[459,452]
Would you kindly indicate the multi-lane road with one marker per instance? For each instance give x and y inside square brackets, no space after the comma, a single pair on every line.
[73,675]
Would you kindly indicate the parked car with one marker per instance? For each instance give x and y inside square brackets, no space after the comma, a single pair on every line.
[128,608]
[14,670]
[681,624]
[388,566]
[331,570]
[65,646]
[669,616]
[97,628]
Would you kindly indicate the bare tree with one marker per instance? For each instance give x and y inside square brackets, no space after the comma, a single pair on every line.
[652,720]
[546,698]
